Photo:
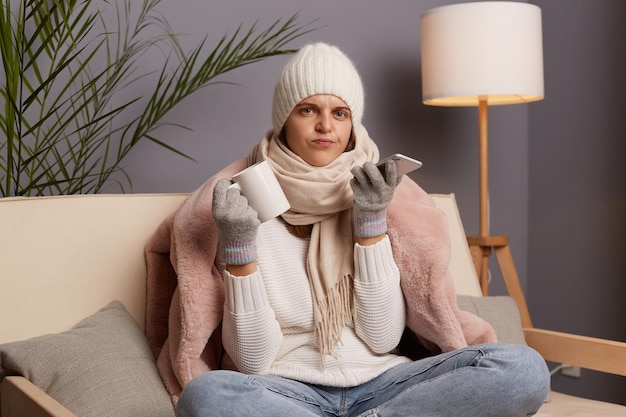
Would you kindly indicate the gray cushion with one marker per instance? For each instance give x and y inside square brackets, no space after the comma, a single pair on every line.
[101,367]
[500,311]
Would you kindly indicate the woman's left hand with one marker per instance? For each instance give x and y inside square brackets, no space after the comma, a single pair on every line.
[373,192]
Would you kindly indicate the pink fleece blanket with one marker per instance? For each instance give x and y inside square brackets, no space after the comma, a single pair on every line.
[185,294]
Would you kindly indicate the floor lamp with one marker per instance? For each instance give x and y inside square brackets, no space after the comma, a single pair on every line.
[483,54]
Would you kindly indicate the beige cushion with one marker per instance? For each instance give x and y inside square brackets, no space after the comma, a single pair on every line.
[62,258]
[562,405]
[461,266]
[70,255]
[102,367]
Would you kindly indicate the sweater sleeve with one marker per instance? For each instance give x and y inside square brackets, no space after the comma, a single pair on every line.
[251,334]
[379,304]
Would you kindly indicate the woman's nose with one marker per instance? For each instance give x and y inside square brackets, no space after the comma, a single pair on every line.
[323,124]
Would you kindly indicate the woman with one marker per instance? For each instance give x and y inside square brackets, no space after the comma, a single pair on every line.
[314,310]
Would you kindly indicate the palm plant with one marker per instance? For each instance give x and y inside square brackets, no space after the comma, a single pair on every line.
[65,127]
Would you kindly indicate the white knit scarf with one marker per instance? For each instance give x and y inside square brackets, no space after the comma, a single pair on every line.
[322,197]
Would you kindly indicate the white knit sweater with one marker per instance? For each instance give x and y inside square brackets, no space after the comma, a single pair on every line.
[268,315]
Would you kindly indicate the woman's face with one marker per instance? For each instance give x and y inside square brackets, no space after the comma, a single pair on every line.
[318,129]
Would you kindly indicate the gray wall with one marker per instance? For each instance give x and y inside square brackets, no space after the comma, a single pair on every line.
[557,186]
[577,178]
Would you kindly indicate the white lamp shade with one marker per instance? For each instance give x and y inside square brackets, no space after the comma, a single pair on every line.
[482,51]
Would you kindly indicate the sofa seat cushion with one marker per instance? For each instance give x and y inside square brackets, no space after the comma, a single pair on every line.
[101,367]
[563,405]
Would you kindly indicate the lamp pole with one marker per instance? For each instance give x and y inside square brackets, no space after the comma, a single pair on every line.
[483,189]
[483,175]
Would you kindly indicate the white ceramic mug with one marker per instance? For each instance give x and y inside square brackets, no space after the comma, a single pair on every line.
[260,186]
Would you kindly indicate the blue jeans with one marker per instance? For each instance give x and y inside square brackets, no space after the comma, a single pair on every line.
[483,380]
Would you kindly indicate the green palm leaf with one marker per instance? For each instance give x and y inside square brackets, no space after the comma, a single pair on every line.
[63,129]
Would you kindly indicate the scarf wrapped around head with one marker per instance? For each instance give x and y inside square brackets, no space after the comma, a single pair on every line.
[322,197]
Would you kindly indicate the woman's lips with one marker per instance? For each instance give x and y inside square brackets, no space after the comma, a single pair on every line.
[324,143]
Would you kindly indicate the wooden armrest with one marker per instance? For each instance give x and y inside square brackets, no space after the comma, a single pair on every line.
[22,398]
[587,352]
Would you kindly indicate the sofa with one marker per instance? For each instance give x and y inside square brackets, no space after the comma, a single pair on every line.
[72,310]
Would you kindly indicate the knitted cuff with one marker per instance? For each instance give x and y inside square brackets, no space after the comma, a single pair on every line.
[370,224]
[238,252]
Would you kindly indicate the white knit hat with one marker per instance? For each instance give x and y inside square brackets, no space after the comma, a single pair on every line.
[317,69]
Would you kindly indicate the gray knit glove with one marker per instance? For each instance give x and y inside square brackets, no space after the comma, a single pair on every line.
[373,192]
[237,224]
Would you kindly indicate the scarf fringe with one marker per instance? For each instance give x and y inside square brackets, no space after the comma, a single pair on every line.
[336,311]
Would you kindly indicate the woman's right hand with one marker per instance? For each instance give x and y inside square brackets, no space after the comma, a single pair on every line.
[237,224]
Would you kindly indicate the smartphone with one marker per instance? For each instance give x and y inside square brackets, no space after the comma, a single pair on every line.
[404,164]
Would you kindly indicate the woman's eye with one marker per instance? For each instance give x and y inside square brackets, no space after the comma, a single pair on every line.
[307,110]
[341,114]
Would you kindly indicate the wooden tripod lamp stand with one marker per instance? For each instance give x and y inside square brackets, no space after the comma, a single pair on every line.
[482,54]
